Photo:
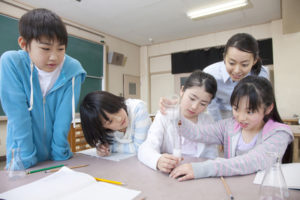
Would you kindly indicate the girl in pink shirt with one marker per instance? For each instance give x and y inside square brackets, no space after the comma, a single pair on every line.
[255,130]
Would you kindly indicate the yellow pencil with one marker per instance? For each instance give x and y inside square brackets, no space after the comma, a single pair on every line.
[227,188]
[55,170]
[109,181]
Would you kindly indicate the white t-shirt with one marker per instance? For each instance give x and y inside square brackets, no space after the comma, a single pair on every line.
[47,79]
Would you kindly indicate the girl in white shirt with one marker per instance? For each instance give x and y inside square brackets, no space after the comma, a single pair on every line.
[156,152]
[241,59]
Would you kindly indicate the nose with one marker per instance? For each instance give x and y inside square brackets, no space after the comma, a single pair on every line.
[53,56]
[236,69]
[194,106]
[242,117]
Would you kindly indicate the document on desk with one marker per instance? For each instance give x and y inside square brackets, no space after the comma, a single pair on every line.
[67,184]
[113,156]
[291,173]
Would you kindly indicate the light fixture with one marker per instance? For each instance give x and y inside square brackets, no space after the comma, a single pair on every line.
[221,6]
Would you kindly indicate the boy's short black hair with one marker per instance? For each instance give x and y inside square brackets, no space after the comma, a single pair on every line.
[42,22]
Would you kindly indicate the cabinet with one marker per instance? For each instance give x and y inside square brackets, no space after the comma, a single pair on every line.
[76,138]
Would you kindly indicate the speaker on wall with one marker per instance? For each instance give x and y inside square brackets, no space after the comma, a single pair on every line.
[115,58]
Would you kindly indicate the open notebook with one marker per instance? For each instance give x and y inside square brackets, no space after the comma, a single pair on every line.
[67,184]
[291,173]
[113,156]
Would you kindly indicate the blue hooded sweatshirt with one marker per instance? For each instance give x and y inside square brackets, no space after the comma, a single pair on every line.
[40,133]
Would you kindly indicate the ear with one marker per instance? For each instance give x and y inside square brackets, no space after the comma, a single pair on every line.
[255,61]
[22,43]
[181,91]
[269,109]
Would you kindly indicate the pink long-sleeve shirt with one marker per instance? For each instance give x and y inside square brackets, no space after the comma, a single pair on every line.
[274,138]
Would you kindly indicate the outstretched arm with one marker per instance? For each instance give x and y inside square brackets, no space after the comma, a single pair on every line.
[256,159]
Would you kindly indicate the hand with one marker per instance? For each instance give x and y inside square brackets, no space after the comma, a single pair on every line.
[164,103]
[183,172]
[103,149]
[167,162]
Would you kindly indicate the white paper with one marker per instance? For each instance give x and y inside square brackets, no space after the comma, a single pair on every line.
[291,173]
[113,156]
[68,184]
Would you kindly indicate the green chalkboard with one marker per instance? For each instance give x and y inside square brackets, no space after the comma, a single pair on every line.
[89,54]
[9,33]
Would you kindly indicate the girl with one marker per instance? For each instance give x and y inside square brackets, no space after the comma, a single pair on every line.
[241,58]
[39,87]
[156,152]
[112,124]
[255,129]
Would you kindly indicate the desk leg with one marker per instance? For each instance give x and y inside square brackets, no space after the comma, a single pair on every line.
[296,149]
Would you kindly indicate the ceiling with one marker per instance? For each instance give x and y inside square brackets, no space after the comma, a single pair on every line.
[145,22]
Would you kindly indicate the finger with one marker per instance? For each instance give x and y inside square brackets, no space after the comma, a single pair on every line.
[184,178]
[169,166]
[175,173]
[165,170]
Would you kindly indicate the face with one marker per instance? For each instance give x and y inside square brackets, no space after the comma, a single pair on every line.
[238,63]
[47,55]
[194,100]
[117,121]
[251,121]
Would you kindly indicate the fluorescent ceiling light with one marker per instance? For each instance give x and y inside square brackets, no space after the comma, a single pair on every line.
[222,6]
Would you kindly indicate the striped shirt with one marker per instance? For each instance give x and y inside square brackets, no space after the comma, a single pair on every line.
[137,129]
[274,138]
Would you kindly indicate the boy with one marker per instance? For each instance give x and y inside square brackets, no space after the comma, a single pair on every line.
[39,88]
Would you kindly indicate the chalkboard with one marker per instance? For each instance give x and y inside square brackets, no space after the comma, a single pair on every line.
[89,54]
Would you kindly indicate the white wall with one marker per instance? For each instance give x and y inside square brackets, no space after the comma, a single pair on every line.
[114,73]
[286,70]
[286,50]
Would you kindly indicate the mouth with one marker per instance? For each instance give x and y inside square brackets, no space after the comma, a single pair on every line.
[244,125]
[236,77]
[51,65]
[191,112]
[123,122]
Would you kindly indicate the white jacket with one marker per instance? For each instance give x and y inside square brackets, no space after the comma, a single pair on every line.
[159,141]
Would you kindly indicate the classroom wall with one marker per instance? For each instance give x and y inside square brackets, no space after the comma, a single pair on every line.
[114,80]
[286,63]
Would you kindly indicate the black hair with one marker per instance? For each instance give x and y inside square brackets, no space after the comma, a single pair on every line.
[247,43]
[42,22]
[200,78]
[260,92]
[92,109]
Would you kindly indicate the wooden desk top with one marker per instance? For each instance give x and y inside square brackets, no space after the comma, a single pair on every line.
[295,129]
[153,185]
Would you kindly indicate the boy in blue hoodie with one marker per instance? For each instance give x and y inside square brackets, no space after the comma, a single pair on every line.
[39,90]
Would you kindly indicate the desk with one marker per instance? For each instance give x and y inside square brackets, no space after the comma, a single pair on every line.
[153,184]
[296,131]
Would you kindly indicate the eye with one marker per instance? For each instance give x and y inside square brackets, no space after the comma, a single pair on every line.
[192,98]
[45,49]
[245,65]
[235,108]
[250,112]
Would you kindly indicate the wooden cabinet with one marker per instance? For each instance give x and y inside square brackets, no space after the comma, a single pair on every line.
[76,138]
